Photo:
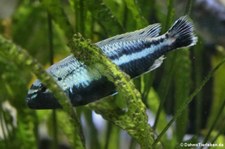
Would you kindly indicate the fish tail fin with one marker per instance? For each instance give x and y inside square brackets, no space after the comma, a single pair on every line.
[182,32]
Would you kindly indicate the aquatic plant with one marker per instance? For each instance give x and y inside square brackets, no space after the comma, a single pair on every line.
[34,27]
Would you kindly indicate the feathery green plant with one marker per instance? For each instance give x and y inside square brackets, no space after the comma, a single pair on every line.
[133,118]
[21,57]
[166,91]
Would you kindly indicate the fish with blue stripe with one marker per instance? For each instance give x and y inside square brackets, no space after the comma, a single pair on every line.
[135,53]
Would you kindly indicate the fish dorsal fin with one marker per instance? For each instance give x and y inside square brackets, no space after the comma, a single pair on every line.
[149,31]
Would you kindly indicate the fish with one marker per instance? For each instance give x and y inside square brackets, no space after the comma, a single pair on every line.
[135,53]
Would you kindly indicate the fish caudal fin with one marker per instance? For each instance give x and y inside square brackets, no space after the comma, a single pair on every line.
[182,33]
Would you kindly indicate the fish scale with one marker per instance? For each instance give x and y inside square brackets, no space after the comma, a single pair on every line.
[135,53]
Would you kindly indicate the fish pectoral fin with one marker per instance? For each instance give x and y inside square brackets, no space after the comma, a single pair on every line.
[157,63]
[147,32]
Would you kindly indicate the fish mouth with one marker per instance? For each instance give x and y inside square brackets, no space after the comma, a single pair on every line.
[42,101]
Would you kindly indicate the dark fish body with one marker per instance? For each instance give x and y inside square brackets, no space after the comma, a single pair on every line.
[134,53]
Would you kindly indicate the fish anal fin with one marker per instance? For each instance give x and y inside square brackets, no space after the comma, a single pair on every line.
[157,63]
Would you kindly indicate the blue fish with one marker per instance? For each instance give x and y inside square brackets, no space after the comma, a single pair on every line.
[135,53]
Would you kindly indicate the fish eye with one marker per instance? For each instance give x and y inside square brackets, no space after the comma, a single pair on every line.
[43,89]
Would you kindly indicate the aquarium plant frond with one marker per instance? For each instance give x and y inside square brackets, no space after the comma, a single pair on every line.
[20,57]
[135,11]
[104,16]
[56,11]
[189,99]
[133,118]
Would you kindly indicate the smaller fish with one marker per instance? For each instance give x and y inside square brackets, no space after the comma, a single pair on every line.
[135,53]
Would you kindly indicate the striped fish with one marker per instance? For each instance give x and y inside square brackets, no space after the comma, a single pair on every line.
[134,53]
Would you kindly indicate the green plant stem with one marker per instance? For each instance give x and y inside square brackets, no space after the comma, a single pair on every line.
[190,98]
[215,122]
[104,16]
[135,11]
[166,84]
[182,85]
[2,119]
[133,117]
[169,15]
[220,131]
[189,7]
[54,7]
[79,15]
[51,55]
[92,130]
[199,97]
[108,133]
[50,39]
[20,57]
[132,144]
[164,89]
